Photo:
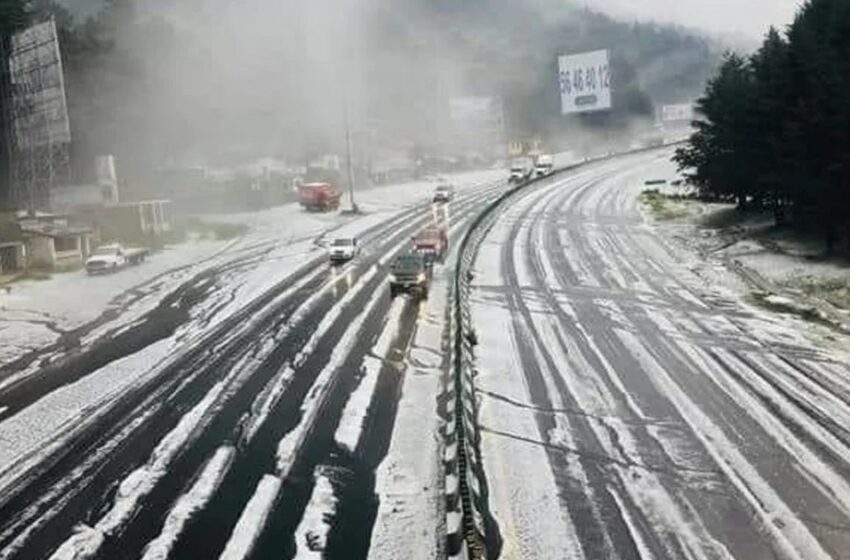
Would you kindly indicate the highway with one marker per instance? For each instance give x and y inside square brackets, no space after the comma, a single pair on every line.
[631,402]
[632,405]
[262,418]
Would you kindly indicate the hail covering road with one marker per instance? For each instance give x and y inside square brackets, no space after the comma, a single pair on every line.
[260,432]
[633,408]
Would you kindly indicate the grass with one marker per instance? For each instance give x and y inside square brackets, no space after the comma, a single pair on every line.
[661,206]
[833,290]
[808,313]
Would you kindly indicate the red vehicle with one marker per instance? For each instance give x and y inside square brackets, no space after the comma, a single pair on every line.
[432,243]
[319,197]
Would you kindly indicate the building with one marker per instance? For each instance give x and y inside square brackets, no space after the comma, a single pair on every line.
[12,247]
[52,243]
[144,222]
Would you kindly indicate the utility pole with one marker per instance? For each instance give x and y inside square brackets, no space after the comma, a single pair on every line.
[349,164]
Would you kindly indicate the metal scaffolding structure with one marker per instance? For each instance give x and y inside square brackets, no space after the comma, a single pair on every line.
[36,117]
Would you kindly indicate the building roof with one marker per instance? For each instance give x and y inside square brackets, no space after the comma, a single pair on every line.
[54,230]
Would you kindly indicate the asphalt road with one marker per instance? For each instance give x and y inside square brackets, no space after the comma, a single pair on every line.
[215,455]
[633,407]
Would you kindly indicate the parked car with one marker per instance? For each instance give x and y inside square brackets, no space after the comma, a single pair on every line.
[113,257]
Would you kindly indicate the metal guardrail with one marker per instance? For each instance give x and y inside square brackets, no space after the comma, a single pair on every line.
[469,525]
[468,518]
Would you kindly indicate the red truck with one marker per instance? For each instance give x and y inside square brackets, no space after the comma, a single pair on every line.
[432,243]
[319,197]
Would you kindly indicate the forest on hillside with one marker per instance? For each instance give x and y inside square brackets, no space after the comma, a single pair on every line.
[774,128]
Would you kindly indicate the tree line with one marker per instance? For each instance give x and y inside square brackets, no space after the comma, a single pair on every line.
[774,128]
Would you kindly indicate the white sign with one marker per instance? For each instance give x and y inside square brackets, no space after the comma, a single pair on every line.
[39,107]
[681,112]
[483,114]
[585,82]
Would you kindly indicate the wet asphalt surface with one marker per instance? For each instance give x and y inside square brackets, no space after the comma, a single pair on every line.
[288,335]
[658,414]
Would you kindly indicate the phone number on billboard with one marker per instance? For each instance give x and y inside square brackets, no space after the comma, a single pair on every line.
[583,80]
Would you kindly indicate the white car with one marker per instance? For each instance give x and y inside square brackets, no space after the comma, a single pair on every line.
[343,249]
[444,193]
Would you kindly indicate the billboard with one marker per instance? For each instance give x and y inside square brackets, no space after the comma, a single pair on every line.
[39,111]
[476,114]
[676,113]
[585,82]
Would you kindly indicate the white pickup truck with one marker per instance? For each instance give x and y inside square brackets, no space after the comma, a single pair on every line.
[110,258]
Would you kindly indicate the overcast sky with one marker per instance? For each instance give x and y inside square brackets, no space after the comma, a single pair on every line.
[746,17]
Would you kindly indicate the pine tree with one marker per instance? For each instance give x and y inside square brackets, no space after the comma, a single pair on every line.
[772,99]
[720,148]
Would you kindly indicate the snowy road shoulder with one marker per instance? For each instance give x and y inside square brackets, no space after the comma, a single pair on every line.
[409,480]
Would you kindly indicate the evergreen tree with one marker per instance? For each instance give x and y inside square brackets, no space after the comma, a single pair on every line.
[719,151]
[777,129]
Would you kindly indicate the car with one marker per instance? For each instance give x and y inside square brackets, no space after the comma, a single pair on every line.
[343,249]
[444,193]
[432,243]
[410,274]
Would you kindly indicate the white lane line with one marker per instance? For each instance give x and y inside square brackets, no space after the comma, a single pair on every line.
[351,425]
[312,532]
[190,503]
[831,484]
[60,492]
[391,329]
[267,399]
[788,532]
[137,484]
[291,443]
[252,520]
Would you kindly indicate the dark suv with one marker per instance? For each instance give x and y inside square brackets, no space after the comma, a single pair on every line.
[410,274]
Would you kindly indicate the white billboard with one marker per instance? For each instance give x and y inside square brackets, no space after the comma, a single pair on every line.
[39,108]
[585,82]
[477,114]
[676,113]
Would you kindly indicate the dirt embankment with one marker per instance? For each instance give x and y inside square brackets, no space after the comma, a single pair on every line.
[785,269]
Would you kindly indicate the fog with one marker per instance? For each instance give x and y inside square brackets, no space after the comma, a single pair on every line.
[262,77]
[749,18]
[224,82]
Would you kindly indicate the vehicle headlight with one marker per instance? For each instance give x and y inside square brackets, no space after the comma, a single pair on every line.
[421,277]
[393,278]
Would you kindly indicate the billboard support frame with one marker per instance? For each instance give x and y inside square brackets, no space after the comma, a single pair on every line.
[40,158]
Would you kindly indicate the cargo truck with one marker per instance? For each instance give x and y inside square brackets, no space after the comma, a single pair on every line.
[319,197]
